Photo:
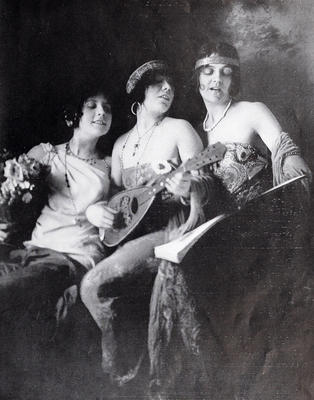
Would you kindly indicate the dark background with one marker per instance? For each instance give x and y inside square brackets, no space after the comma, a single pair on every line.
[49,49]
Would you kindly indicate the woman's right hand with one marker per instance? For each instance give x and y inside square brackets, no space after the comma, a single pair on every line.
[101,215]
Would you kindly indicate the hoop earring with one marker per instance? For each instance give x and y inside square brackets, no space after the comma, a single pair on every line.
[137,104]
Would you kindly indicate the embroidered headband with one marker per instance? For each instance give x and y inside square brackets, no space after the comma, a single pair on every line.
[216,59]
[136,76]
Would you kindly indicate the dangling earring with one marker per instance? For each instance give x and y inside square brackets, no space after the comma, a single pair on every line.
[69,122]
[137,104]
[68,118]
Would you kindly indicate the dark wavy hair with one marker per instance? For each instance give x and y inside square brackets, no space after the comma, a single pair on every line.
[225,50]
[150,78]
[72,111]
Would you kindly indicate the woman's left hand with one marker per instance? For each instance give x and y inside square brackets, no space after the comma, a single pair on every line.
[179,184]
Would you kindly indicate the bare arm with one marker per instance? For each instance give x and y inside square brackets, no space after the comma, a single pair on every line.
[265,124]
[286,158]
[116,174]
[188,141]
[37,152]
[189,144]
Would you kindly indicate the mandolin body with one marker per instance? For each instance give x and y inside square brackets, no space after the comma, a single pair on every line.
[132,204]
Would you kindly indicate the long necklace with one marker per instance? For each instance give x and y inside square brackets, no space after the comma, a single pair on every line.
[90,160]
[208,130]
[140,137]
[152,129]
[77,218]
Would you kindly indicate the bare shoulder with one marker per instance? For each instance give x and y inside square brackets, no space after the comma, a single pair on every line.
[259,118]
[187,140]
[37,152]
[117,147]
[252,107]
[177,122]
[177,126]
[121,140]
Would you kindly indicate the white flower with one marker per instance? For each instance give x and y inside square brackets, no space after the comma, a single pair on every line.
[22,176]
[8,186]
[27,197]
[13,170]
[24,185]
[161,167]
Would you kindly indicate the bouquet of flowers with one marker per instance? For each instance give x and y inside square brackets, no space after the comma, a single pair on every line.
[22,191]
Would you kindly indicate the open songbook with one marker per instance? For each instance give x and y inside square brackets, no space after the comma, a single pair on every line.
[176,250]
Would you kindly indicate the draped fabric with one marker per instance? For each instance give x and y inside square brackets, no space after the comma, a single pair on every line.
[125,277]
[32,280]
[215,272]
[56,227]
[287,163]
[60,250]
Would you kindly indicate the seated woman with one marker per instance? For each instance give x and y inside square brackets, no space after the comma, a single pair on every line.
[155,145]
[64,244]
[249,131]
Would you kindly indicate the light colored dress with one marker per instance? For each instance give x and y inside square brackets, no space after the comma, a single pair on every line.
[56,227]
[42,278]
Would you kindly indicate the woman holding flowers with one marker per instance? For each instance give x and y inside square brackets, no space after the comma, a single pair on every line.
[64,244]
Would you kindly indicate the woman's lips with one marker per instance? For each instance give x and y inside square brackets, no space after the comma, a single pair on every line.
[165,97]
[100,122]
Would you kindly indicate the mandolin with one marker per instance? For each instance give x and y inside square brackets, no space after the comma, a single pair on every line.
[133,204]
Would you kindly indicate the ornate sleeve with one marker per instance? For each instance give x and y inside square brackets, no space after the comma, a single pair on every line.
[287,163]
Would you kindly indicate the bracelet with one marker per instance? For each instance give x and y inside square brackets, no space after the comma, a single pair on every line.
[294,152]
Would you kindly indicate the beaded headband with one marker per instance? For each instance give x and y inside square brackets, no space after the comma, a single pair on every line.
[216,59]
[136,76]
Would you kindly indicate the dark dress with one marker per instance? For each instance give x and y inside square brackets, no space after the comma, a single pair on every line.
[217,321]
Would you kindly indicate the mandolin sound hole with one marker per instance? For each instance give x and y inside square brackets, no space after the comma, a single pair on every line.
[134,205]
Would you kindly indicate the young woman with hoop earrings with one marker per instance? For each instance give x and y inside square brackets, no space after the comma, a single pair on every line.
[155,145]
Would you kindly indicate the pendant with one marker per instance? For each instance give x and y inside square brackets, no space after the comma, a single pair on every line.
[78,221]
[136,146]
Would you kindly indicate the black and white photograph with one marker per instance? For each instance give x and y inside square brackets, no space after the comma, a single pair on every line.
[156,200]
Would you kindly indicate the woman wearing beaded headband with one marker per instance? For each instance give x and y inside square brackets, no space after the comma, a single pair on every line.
[64,244]
[155,145]
[250,131]
[241,124]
